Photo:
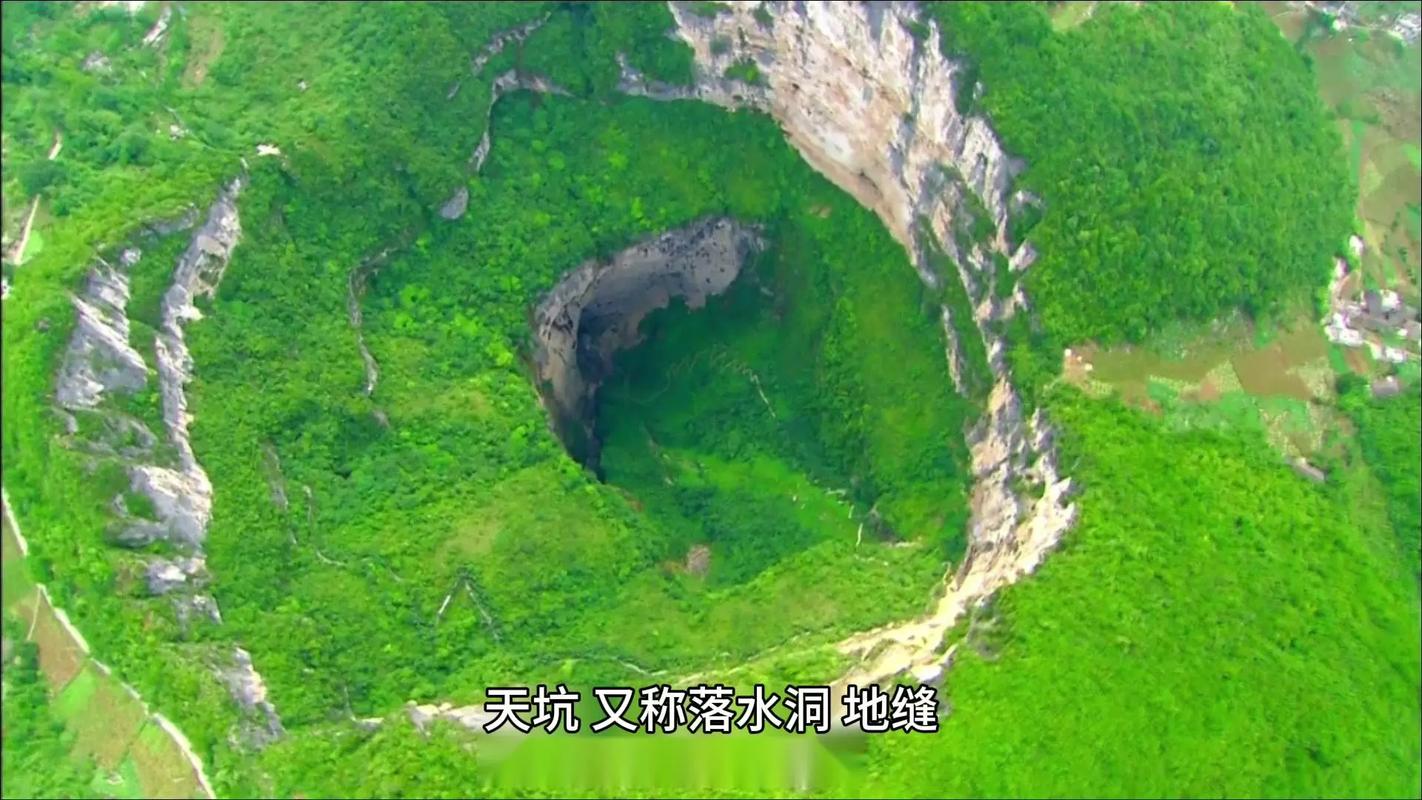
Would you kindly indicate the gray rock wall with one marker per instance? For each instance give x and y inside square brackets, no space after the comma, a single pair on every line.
[595,310]
[872,108]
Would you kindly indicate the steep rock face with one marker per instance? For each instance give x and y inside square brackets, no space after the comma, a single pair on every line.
[198,273]
[102,363]
[596,309]
[100,358]
[261,725]
[872,108]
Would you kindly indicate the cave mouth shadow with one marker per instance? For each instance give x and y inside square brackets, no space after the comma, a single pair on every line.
[596,311]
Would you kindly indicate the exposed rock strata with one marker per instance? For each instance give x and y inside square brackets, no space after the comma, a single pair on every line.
[871,107]
[596,309]
[100,358]
[502,40]
[164,575]
[262,725]
[101,364]
[456,205]
[184,492]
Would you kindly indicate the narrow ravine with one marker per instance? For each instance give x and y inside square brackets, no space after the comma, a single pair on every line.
[355,291]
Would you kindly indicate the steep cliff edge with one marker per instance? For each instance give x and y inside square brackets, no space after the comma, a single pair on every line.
[596,310]
[102,366]
[870,104]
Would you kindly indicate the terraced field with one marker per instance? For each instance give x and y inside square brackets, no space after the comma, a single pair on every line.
[109,731]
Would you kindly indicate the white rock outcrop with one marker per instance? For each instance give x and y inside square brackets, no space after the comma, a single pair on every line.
[262,725]
[185,488]
[100,358]
[100,362]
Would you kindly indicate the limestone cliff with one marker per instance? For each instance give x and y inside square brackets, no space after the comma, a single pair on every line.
[596,309]
[871,106]
[101,366]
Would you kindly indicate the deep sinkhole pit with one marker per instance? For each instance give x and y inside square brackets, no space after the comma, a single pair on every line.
[596,310]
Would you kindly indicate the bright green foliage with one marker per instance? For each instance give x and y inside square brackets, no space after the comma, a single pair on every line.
[395,760]
[1181,151]
[1388,430]
[579,582]
[446,484]
[799,374]
[578,47]
[36,747]
[745,71]
[1214,625]
[463,419]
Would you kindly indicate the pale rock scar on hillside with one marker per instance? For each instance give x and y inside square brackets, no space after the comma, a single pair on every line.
[102,362]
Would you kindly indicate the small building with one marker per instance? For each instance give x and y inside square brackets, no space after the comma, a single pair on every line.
[1386,387]
[1339,332]
[1394,355]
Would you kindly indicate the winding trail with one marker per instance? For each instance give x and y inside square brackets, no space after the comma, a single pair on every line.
[355,290]
[17,252]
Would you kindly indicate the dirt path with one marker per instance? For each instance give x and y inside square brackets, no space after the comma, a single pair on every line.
[17,252]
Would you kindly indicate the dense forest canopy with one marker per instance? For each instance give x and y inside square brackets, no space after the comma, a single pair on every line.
[1181,150]
[1213,625]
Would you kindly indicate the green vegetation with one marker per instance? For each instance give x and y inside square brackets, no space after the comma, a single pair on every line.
[420,493]
[744,71]
[36,749]
[399,513]
[577,49]
[1213,625]
[1387,433]
[1151,139]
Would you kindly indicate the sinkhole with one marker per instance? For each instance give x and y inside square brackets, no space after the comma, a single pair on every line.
[758,393]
